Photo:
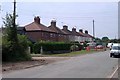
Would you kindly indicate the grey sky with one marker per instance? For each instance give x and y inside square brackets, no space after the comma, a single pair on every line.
[74,14]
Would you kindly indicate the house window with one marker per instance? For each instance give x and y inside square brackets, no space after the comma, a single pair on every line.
[54,35]
[42,34]
[51,35]
[59,35]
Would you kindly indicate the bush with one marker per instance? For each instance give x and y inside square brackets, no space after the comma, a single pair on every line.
[24,43]
[74,48]
[51,46]
[77,46]
[16,52]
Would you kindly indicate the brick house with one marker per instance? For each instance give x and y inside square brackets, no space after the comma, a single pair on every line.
[36,31]
[77,37]
[86,36]
[60,34]
[83,35]
[69,33]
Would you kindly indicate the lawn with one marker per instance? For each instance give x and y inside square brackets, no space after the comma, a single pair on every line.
[71,54]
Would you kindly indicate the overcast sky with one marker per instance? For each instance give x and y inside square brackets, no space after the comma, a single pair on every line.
[74,14]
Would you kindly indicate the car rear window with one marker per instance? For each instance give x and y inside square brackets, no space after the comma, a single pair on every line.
[116,47]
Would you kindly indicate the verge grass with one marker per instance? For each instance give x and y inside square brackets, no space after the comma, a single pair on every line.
[71,54]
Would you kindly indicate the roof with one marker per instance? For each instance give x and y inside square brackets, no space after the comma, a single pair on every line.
[57,30]
[76,33]
[67,31]
[83,34]
[20,28]
[37,27]
[88,35]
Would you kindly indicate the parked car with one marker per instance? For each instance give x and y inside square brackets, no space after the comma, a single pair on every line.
[99,47]
[115,50]
[109,45]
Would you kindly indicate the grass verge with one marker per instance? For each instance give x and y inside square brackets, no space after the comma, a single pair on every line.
[71,54]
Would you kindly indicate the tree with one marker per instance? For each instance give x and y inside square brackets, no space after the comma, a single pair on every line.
[11,32]
[98,41]
[13,49]
[105,39]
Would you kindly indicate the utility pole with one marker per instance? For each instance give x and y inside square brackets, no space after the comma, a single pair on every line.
[93,29]
[14,14]
[14,29]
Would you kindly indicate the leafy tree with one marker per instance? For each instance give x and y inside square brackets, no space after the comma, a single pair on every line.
[105,39]
[11,30]
[13,48]
[98,41]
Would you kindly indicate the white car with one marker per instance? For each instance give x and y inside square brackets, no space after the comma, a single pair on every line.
[109,45]
[115,50]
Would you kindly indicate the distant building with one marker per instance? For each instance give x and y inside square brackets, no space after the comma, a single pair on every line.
[69,36]
[83,35]
[88,37]
[36,31]
[77,37]
[60,35]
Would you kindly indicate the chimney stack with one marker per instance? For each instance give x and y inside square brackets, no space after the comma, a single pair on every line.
[65,27]
[81,30]
[37,19]
[86,32]
[73,29]
[53,23]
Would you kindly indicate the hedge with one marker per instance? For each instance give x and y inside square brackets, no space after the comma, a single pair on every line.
[51,46]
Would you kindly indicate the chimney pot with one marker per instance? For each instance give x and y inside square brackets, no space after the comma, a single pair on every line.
[65,27]
[86,32]
[81,30]
[37,19]
[53,23]
[74,29]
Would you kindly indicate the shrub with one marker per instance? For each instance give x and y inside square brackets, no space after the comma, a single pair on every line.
[12,53]
[51,46]
[23,43]
[77,46]
[74,48]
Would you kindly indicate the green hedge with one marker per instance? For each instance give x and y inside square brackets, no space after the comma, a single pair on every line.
[51,46]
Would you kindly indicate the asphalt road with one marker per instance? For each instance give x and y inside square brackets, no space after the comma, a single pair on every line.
[97,65]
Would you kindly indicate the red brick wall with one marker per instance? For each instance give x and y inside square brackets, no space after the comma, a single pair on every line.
[34,35]
[45,36]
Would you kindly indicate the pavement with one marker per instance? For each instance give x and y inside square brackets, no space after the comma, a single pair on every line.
[36,61]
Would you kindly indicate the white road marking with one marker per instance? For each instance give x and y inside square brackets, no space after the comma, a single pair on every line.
[111,76]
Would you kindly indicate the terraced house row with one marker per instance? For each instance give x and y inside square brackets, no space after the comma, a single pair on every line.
[36,31]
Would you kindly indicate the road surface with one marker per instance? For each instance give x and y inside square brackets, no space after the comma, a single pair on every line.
[97,65]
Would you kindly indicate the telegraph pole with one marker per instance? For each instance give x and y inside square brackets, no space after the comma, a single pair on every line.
[93,29]
[14,14]
[14,30]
